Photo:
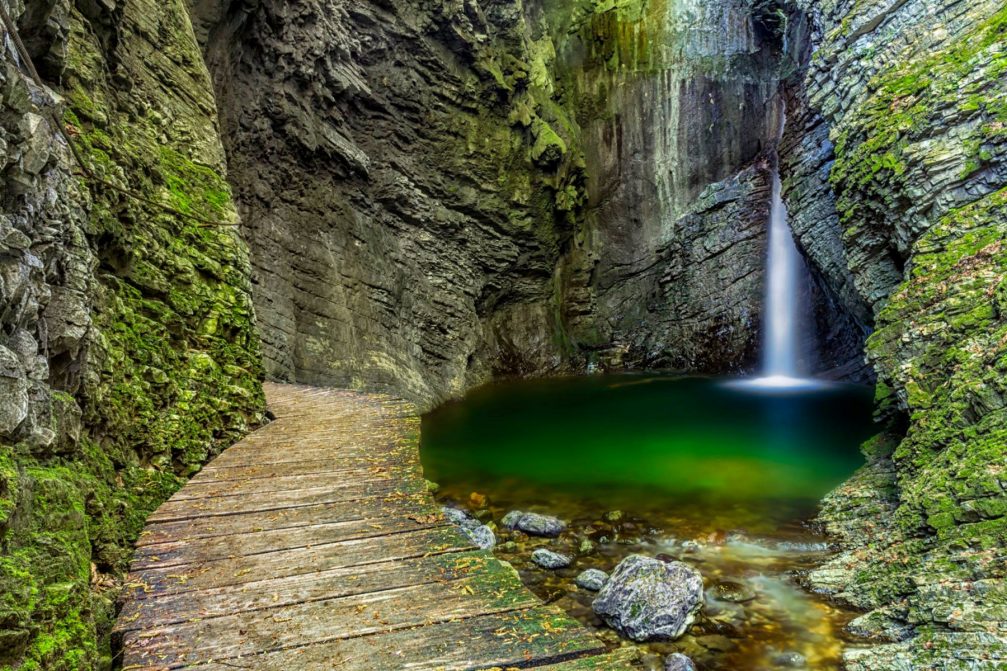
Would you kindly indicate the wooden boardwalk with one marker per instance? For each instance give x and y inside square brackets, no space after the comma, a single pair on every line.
[313,544]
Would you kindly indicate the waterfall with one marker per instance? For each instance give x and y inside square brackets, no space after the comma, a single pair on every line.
[782,325]
[781,308]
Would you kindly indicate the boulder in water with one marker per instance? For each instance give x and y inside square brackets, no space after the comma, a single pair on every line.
[550,560]
[534,524]
[650,600]
[592,579]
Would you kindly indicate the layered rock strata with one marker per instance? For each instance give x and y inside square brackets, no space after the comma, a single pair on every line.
[127,349]
[440,193]
[904,129]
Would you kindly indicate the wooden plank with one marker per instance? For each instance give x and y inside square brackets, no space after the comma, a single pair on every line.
[249,456]
[314,544]
[483,592]
[323,513]
[239,570]
[201,550]
[163,610]
[213,473]
[623,659]
[183,509]
[204,489]
[529,638]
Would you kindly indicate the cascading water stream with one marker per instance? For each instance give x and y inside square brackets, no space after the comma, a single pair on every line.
[781,320]
[780,356]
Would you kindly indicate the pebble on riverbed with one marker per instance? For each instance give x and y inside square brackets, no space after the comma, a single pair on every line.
[789,660]
[650,600]
[550,560]
[592,579]
[734,592]
[534,524]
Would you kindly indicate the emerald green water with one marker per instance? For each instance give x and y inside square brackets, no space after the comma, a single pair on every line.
[725,478]
[616,437]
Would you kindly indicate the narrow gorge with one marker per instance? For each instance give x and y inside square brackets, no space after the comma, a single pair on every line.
[420,197]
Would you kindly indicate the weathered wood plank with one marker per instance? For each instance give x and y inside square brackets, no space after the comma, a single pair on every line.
[239,570]
[483,592]
[270,540]
[307,467]
[531,638]
[323,513]
[203,489]
[166,609]
[314,544]
[623,659]
[182,509]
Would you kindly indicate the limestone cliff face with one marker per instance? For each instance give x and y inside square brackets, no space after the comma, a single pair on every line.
[436,193]
[898,164]
[127,351]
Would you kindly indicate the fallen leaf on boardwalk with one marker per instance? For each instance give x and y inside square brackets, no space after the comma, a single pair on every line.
[426,519]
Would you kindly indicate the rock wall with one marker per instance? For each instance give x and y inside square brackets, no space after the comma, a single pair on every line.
[438,193]
[127,349]
[900,161]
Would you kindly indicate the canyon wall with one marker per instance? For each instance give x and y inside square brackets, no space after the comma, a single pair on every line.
[897,167]
[436,194]
[128,355]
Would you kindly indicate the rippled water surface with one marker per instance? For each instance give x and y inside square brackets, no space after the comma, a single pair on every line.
[721,477]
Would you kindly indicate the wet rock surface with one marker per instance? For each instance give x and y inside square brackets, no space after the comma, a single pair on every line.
[898,158]
[592,579]
[678,662]
[647,599]
[548,559]
[534,524]
[480,534]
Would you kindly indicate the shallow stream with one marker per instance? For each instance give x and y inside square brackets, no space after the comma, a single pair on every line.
[723,478]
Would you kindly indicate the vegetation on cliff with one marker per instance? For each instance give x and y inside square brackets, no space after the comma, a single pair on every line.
[162,369]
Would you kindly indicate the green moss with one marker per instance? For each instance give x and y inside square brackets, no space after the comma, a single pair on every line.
[172,373]
[905,105]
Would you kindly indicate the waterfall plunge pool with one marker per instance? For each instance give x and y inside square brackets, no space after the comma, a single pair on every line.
[722,477]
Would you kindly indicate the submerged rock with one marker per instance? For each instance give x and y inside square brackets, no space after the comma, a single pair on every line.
[550,560]
[592,579]
[650,600]
[789,660]
[735,592]
[676,661]
[534,524]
